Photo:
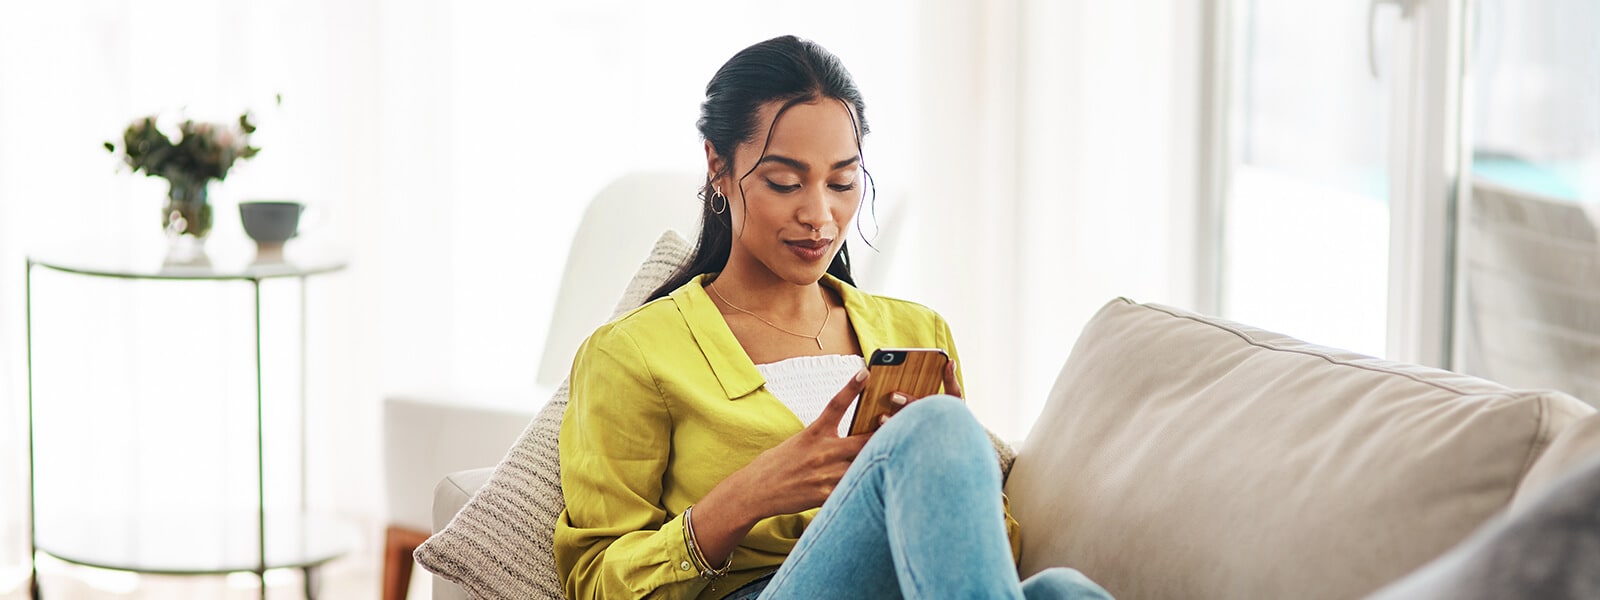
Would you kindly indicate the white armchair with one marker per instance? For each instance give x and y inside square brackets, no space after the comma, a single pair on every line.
[424,440]
[427,439]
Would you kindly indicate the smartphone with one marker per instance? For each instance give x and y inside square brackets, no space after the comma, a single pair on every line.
[915,372]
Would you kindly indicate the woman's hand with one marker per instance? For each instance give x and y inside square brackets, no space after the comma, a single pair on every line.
[952,386]
[796,475]
[898,401]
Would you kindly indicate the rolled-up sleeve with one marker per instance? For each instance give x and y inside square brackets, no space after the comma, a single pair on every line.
[615,539]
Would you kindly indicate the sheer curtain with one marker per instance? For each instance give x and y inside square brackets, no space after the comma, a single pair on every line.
[72,75]
[448,147]
[1053,172]
[1031,161]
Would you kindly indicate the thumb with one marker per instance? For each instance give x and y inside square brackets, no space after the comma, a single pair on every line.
[833,413]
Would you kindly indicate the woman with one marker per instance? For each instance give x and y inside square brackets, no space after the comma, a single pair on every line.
[701,437]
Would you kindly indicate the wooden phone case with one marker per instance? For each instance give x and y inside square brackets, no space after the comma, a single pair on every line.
[920,375]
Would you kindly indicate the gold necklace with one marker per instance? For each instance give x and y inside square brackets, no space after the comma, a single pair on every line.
[815,338]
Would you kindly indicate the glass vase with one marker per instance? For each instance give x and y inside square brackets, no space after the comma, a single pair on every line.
[187,219]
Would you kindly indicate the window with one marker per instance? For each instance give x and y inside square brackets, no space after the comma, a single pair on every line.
[1530,268]
[1306,216]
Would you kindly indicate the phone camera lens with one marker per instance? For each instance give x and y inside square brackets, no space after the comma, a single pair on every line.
[888,358]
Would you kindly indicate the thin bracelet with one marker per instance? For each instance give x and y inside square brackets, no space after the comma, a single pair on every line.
[694,551]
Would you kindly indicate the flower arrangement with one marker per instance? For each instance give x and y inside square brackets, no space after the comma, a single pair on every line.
[204,151]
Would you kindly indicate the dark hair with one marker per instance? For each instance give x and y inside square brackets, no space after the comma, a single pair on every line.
[786,69]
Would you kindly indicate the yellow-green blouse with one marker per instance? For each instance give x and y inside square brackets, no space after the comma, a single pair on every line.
[664,405]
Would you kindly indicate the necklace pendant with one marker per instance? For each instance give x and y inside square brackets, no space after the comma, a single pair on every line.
[818,341]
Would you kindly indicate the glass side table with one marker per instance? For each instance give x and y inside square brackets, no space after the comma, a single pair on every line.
[185,543]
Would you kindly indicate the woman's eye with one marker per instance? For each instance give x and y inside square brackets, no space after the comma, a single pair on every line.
[782,189]
[842,187]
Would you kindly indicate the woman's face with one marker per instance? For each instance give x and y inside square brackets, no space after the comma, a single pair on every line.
[791,215]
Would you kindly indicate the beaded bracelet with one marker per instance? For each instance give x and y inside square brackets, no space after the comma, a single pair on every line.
[694,551]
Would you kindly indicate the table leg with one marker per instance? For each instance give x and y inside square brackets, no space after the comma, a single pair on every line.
[33,526]
[303,417]
[311,582]
[261,455]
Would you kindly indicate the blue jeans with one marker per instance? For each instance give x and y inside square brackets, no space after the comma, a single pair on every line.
[918,515]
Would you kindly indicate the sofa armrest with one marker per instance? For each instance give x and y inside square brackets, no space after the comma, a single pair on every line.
[449,496]
[428,438]
[454,491]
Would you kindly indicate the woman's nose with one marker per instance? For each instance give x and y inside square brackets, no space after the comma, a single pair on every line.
[813,211]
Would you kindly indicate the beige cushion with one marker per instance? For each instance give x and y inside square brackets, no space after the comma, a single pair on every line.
[499,544]
[1549,549]
[1577,445]
[1187,457]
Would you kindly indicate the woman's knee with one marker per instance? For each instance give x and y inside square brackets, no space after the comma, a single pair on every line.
[938,411]
[942,421]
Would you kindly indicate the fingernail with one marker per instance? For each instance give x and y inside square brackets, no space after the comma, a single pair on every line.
[861,375]
[898,398]
[883,420]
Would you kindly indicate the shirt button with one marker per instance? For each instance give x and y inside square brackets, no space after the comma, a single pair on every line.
[684,565]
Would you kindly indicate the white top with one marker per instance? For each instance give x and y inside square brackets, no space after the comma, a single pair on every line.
[805,384]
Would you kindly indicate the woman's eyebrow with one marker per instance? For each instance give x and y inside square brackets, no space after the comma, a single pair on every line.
[802,166]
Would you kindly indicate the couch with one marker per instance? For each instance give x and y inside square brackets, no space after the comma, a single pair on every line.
[1184,456]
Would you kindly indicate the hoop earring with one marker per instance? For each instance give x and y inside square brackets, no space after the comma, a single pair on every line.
[716,193]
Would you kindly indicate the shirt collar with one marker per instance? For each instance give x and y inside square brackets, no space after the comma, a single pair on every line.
[732,367]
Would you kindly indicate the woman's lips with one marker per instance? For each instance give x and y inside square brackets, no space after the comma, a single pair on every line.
[810,250]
